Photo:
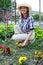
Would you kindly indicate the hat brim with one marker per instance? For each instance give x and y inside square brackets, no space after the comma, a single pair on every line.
[28,6]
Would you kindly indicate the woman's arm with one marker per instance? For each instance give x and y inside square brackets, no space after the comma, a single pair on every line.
[28,37]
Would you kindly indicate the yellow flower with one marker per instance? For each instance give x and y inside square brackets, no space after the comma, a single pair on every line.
[21,59]
[24,58]
[39,53]
[19,45]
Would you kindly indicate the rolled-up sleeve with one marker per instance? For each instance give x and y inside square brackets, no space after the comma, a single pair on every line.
[31,23]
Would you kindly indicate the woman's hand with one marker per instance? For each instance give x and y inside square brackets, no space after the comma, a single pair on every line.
[27,39]
[26,42]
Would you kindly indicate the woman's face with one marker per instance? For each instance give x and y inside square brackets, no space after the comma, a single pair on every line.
[23,10]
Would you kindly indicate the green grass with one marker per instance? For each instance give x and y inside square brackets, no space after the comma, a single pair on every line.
[16,52]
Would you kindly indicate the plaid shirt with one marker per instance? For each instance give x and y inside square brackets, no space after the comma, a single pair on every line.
[26,24]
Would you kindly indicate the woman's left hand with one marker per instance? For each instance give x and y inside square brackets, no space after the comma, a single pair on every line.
[25,43]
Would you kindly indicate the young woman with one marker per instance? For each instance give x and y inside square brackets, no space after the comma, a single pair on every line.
[24,30]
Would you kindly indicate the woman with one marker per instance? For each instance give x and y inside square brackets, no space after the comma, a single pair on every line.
[24,30]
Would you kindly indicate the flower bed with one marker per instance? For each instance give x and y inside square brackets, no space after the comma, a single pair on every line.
[17,52]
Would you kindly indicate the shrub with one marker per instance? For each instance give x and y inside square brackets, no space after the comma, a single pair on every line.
[36,17]
[38,33]
[10,30]
[3,31]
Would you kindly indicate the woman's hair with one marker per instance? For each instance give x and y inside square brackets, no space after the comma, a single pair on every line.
[27,13]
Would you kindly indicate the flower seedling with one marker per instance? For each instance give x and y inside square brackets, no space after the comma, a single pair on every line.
[38,55]
[1,48]
[19,44]
[7,50]
[22,60]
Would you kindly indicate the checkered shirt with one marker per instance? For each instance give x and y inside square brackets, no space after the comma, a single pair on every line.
[26,24]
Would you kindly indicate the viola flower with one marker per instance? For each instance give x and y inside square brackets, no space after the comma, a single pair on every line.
[19,44]
[8,50]
[22,60]
[1,47]
[38,55]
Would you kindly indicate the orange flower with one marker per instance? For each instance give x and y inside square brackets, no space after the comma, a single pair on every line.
[39,53]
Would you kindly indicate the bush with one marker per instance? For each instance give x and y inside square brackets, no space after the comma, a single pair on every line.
[38,33]
[36,17]
[3,31]
[10,30]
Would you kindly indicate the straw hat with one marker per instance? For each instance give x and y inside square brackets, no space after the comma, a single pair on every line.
[25,5]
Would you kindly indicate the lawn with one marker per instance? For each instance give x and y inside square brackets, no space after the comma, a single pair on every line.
[17,52]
